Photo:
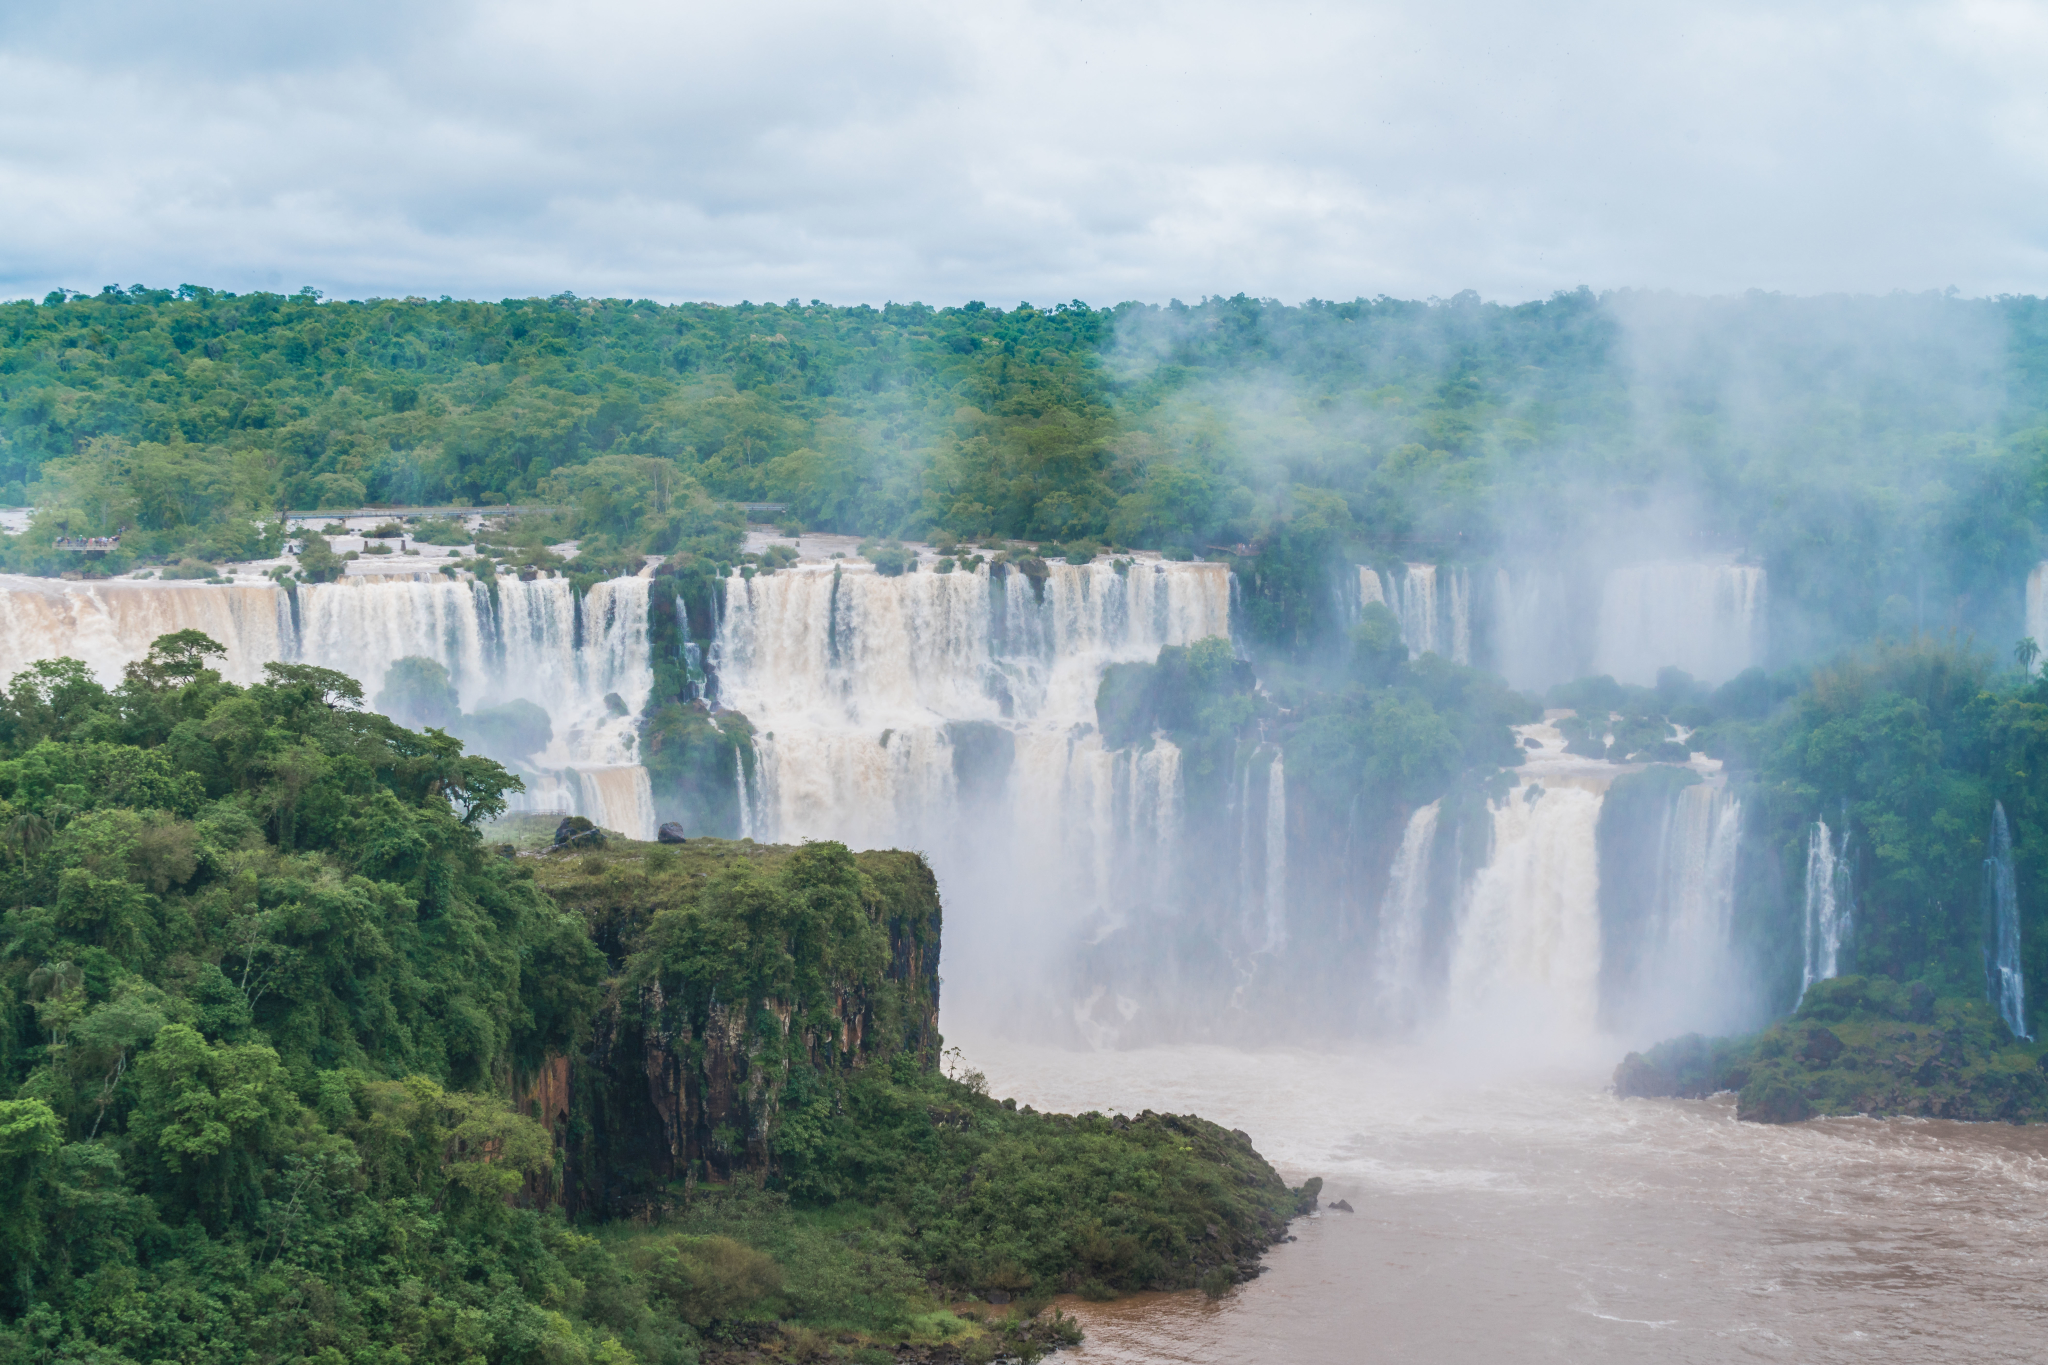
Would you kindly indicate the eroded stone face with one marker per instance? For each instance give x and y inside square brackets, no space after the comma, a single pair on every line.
[683,1078]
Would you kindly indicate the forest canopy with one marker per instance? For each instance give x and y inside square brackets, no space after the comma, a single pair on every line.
[1908,432]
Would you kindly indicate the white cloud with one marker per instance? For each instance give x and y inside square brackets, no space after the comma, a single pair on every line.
[1043,151]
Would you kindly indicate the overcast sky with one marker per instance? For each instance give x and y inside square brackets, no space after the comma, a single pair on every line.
[1007,151]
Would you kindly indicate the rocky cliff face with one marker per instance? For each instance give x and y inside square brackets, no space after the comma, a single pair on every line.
[740,972]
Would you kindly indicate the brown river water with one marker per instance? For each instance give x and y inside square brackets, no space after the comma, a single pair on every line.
[1516,1211]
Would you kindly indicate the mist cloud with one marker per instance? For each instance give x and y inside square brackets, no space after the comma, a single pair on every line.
[1040,151]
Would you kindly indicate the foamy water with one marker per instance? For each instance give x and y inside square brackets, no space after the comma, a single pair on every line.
[1510,1209]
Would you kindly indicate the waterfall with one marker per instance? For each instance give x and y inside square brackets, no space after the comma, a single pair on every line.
[1458,598]
[1397,961]
[535,642]
[955,713]
[1369,589]
[1688,978]
[1828,903]
[2036,628]
[2006,984]
[362,626]
[739,773]
[1530,618]
[1276,855]
[109,625]
[858,678]
[1414,601]
[619,799]
[1707,619]
[1528,947]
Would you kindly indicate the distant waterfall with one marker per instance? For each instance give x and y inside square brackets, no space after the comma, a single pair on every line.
[533,641]
[1707,619]
[537,642]
[2037,607]
[1531,635]
[1688,977]
[1397,959]
[1528,946]
[1276,855]
[739,774]
[1829,904]
[619,798]
[109,625]
[1432,603]
[1697,897]
[1369,589]
[956,713]
[2005,983]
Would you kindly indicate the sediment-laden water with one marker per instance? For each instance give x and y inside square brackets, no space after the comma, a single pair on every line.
[1510,1209]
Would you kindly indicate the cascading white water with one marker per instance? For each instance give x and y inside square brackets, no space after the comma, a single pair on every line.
[1828,903]
[1433,605]
[858,686]
[1528,940]
[1707,619]
[109,625]
[2036,627]
[1397,959]
[1369,587]
[1276,855]
[362,626]
[526,649]
[1458,600]
[618,798]
[1690,978]
[1414,599]
[1529,945]
[746,802]
[2006,982]
[1531,635]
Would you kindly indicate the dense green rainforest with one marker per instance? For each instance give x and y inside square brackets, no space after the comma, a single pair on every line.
[1885,458]
[295,1067]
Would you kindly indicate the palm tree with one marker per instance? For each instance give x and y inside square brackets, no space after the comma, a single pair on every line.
[28,832]
[2024,654]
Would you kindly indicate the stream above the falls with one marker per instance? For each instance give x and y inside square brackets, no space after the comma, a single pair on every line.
[1511,1209]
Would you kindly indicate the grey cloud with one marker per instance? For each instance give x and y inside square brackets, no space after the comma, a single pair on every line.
[1042,151]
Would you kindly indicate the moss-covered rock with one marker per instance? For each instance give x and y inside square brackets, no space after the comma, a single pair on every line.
[1857,1045]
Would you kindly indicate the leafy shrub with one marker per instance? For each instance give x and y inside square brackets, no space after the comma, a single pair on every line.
[441,531]
[891,560]
[706,1279]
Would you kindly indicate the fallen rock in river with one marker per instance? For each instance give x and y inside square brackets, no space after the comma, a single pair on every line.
[1341,1206]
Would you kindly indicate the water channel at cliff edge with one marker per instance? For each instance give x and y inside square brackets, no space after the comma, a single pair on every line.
[1517,1211]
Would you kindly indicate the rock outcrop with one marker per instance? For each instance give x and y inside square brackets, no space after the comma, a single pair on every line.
[1857,1045]
[738,971]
